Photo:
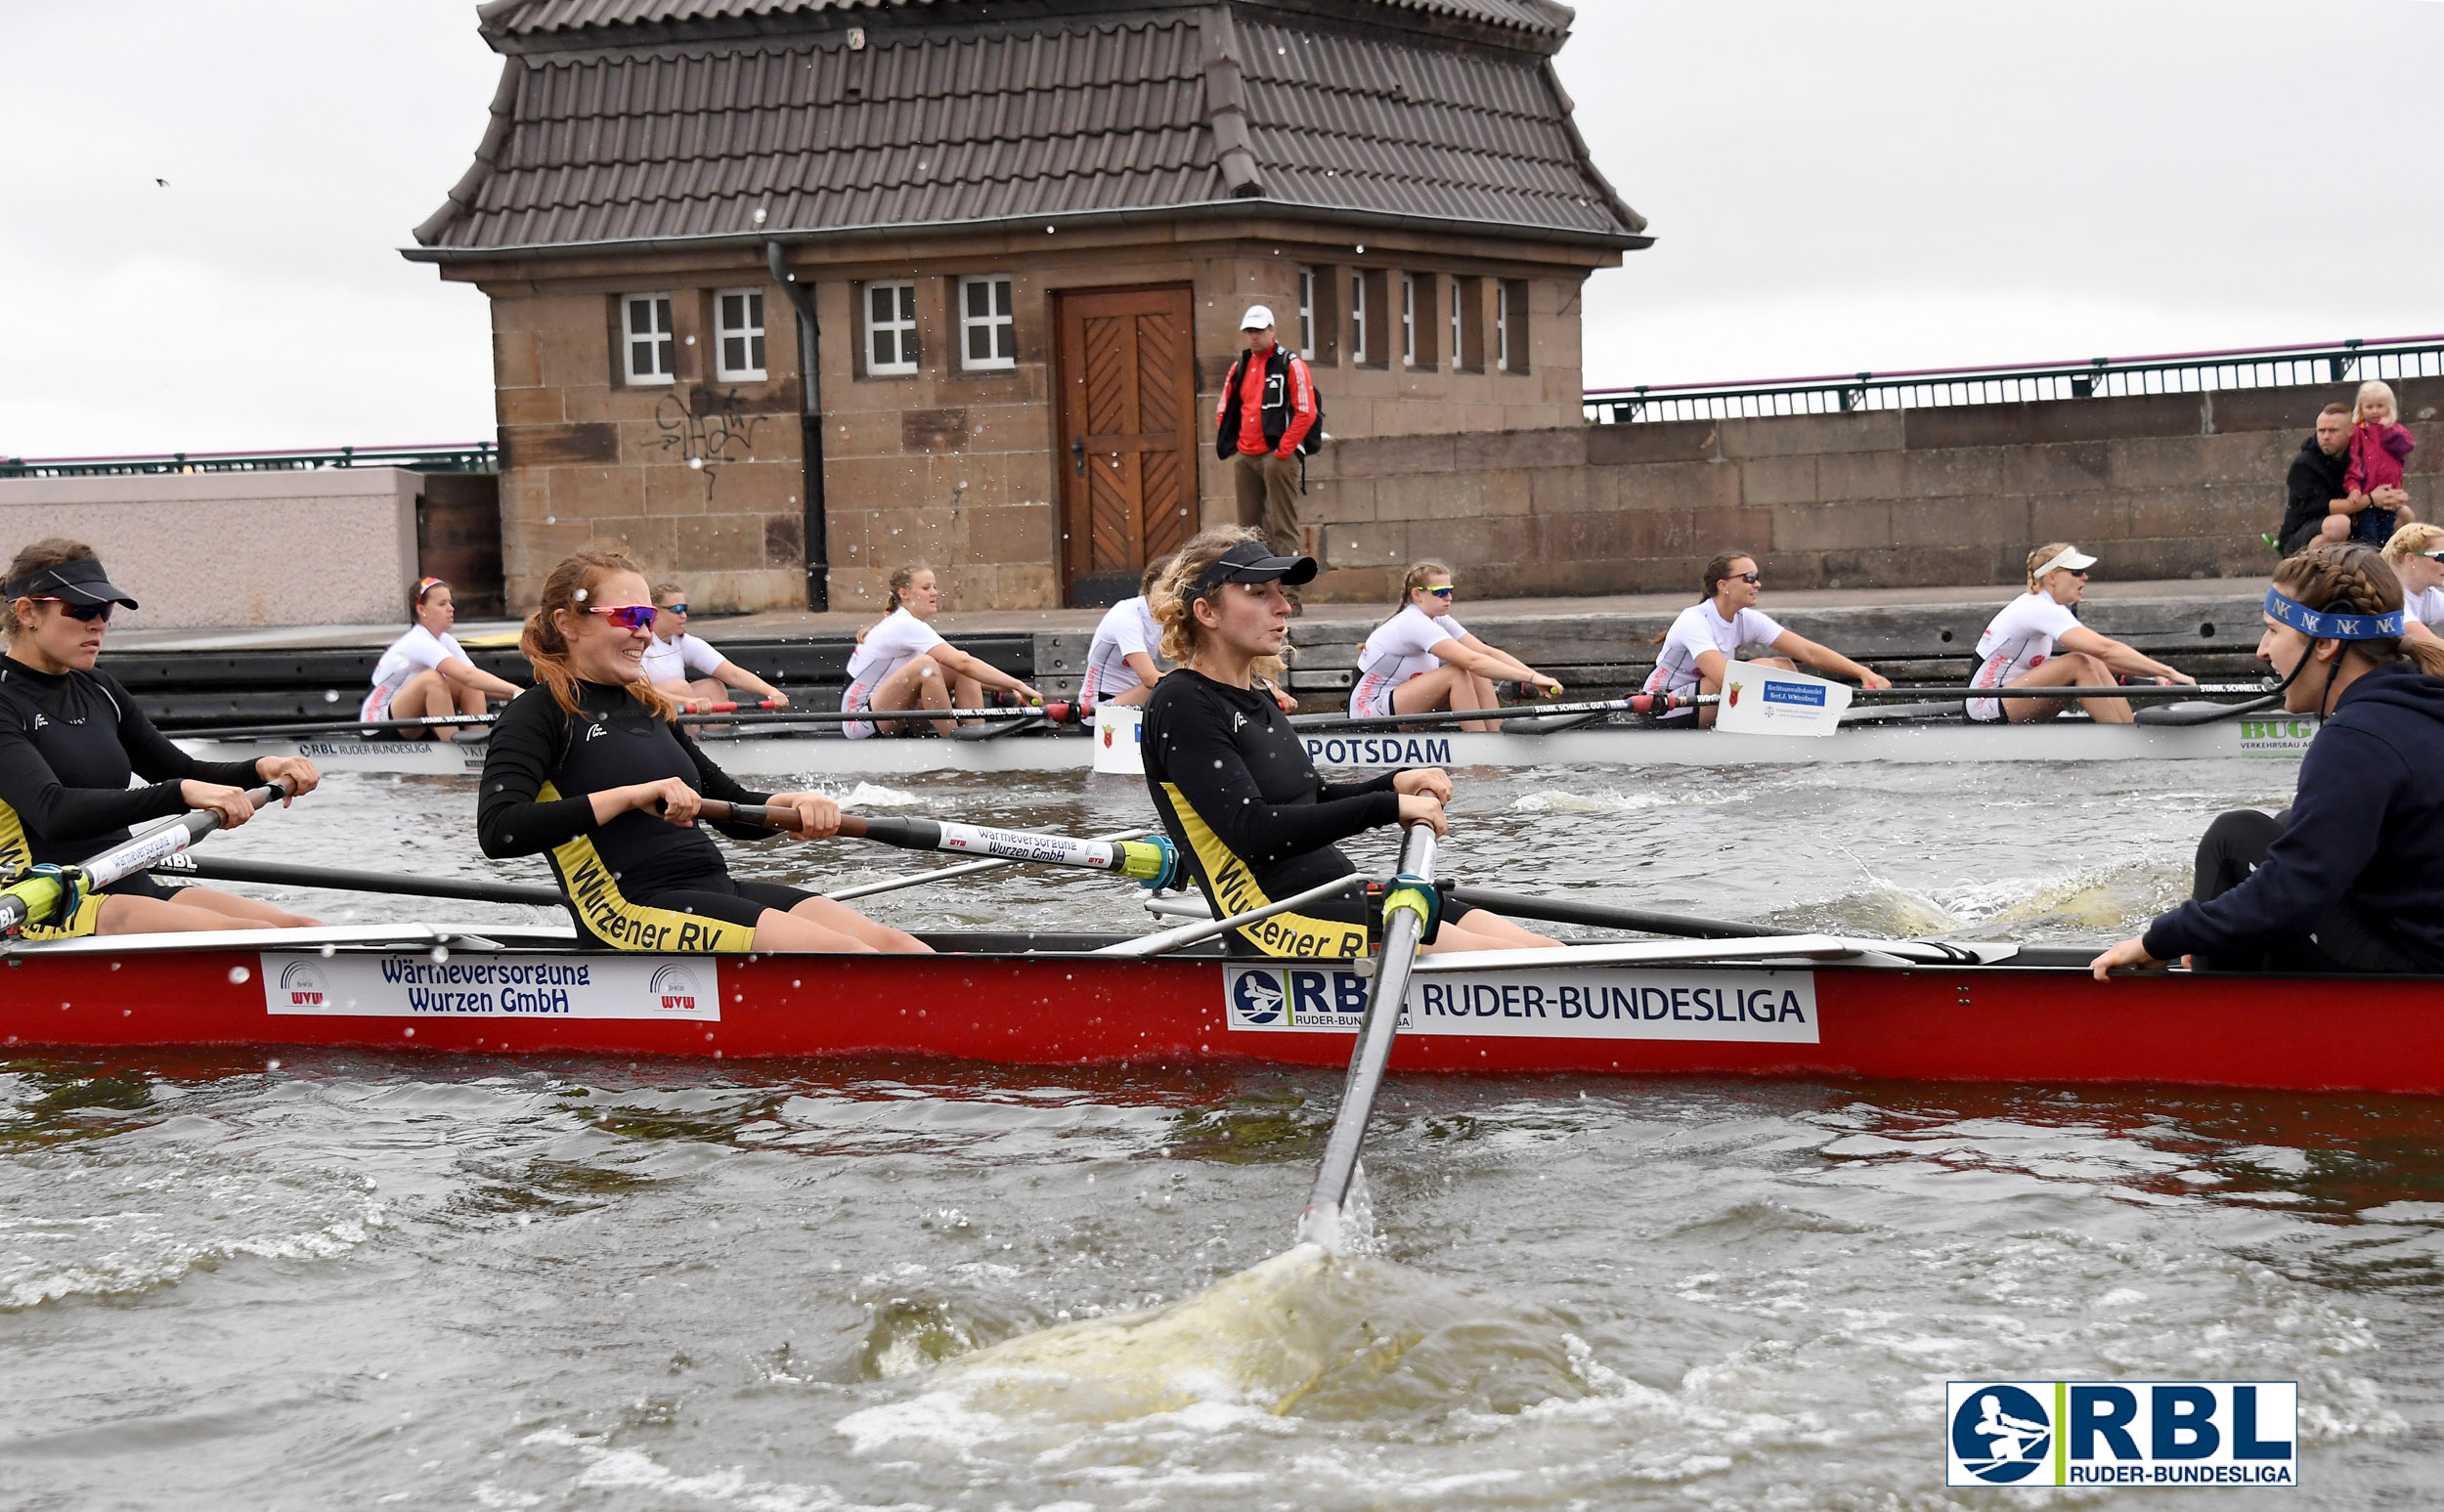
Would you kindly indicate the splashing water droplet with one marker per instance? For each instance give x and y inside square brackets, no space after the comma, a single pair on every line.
[237,974]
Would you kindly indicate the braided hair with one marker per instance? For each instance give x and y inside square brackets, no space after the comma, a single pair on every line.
[2353,575]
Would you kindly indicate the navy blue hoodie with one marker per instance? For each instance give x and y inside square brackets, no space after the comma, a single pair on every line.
[2367,824]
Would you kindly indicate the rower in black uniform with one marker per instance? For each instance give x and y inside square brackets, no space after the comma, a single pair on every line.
[70,738]
[590,769]
[1233,785]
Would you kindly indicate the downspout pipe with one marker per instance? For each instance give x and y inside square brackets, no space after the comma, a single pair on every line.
[811,425]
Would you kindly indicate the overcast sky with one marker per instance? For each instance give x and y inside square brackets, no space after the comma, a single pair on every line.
[1874,184]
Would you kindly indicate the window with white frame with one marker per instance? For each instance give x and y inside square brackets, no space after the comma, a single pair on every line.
[1501,327]
[1457,360]
[739,331]
[1358,315]
[1306,313]
[890,329]
[646,338]
[989,332]
[1409,318]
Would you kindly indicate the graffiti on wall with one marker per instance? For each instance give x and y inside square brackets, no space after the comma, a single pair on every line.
[705,429]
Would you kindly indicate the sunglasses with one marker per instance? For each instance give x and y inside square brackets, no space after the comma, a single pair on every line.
[2433,557]
[1442,592]
[628,617]
[88,613]
[674,608]
[1744,576]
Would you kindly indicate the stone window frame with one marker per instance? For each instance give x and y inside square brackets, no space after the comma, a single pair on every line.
[907,342]
[1468,324]
[1510,325]
[1370,291]
[632,340]
[748,334]
[1003,321]
[1306,314]
[1419,293]
[1409,320]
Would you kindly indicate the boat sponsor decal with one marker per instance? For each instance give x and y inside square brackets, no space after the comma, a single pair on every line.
[442,984]
[396,753]
[1568,1003]
[2282,735]
[1379,750]
[2122,1433]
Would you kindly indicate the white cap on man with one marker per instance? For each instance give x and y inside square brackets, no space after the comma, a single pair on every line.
[1257,317]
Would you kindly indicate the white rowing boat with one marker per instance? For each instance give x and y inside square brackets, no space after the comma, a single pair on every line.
[1112,748]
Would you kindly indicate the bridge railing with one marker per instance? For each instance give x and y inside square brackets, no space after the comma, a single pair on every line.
[2173,372]
[467,457]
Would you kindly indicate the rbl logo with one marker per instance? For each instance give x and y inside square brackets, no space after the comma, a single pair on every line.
[1256,997]
[2123,1432]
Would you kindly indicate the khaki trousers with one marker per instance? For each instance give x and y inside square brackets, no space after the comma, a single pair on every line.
[1268,498]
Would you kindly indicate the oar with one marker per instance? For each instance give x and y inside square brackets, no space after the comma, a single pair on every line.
[867,889]
[1664,703]
[710,714]
[327,727]
[233,869]
[1405,910]
[1605,916]
[36,898]
[1152,861]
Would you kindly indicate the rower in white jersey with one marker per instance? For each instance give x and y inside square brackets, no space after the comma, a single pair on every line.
[1120,664]
[673,652]
[2017,649]
[1706,639]
[902,664]
[2416,553]
[1423,658]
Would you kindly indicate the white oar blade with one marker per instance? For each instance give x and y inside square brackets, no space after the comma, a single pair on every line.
[1767,700]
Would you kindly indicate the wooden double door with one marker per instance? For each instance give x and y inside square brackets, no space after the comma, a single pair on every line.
[1127,376]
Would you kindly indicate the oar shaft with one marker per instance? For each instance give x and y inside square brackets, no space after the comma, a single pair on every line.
[233,869]
[1605,916]
[1403,931]
[1151,861]
[947,873]
[36,898]
[1664,703]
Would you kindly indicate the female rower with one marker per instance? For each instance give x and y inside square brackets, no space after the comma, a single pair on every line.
[1233,784]
[2416,553]
[2016,650]
[1423,658]
[69,740]
[675,654]
[902,664]
[425,672]
[589,767]
[1703,642]
[1121,659]
[2355,880]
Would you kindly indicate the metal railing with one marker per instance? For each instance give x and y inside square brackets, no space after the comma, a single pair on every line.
[2175,372]
[467,457]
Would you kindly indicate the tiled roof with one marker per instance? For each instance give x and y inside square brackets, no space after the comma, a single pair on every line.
[528,18]
[1169,109]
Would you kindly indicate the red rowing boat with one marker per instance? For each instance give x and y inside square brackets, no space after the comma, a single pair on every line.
[1800,1006]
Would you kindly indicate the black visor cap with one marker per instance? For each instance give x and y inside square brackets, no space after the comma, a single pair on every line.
[1251,562]
[81,581]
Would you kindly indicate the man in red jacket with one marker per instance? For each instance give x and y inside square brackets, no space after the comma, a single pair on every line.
[1268,409]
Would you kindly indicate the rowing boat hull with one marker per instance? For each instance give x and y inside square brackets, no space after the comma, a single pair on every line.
[1806,1022]
[1949,744]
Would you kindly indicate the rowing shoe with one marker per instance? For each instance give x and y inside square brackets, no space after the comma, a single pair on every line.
[49,891]
[1152,861]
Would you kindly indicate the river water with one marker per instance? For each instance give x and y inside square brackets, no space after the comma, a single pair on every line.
[307,1280]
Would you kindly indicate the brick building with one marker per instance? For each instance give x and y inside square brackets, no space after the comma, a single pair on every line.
[1024,231]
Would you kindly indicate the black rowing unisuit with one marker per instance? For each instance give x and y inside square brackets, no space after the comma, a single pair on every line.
[68,744]
[611,742]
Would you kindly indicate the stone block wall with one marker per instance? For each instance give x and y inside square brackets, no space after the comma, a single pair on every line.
[2159,486]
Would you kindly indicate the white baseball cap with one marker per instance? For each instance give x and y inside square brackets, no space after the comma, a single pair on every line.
[2070,558]
[1257,317]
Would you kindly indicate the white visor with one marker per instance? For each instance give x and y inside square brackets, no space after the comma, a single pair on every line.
[2068,557]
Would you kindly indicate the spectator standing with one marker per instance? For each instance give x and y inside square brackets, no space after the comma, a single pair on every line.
[1267,415]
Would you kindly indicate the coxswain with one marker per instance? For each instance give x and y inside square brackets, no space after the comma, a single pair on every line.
[1121,659]
[675,654]
[1701,645]
[71,739]
[2354,881]
[426,673]
[900,662]
[2016,650]
[1423,658]
[590,769]
[1233,785]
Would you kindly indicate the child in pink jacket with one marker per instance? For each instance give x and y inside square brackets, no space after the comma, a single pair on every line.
[2378,447]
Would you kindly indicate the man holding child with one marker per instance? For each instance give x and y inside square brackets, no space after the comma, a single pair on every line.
[2324,504]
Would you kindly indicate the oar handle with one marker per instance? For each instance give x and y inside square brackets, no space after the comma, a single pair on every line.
[37,897]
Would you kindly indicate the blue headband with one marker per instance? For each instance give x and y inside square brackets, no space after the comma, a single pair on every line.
[2324,624]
